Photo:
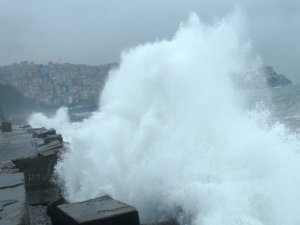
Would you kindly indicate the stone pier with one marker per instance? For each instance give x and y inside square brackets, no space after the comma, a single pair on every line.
[29,196]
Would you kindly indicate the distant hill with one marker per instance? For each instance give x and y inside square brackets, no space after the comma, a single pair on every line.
[14,103]
[49,86]
[274,79]
[58,84]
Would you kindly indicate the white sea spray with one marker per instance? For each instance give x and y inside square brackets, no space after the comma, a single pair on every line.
[171,136]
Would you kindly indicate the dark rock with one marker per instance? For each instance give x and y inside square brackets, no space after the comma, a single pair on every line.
[55,137]
[274,79]
[13,210]
[100,211]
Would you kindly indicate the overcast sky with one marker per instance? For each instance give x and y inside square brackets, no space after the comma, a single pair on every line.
[96,31]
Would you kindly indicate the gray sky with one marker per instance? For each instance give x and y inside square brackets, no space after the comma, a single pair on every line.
[96,31]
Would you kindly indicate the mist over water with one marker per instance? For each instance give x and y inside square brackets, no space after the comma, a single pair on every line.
[172,136]
[60,120]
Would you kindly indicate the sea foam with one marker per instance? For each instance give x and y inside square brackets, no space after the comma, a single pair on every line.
[172,136]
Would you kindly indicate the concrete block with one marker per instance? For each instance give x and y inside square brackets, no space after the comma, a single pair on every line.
[37,142]
[38,171]
[36,131]
[98,211]
[43,132]
[51,138]
[54,145]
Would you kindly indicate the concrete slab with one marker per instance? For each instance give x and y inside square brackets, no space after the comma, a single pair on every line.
[16,145]
[13,210]
[54,145]
[99,211]
[11,180]
[43,132]
[37,142]
[51,138]
[38,215]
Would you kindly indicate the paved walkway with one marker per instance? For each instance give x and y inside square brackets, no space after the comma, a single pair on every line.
[16,145]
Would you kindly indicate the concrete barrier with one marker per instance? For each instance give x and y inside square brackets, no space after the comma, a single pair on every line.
[42,132]
[55,137]
[98,211]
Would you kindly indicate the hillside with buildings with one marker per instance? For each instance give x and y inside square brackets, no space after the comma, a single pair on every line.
[56,84]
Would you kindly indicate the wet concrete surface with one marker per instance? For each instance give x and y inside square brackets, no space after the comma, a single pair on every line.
[38,215]
[24,196]
[26,186]
[13,208]
[16,145]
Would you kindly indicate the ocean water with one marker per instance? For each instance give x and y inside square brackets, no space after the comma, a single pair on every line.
[186,130]
[282,103]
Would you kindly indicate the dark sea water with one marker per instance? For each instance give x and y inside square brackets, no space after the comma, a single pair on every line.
[283,104]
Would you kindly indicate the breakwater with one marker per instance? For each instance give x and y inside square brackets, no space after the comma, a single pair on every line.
[29,193]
